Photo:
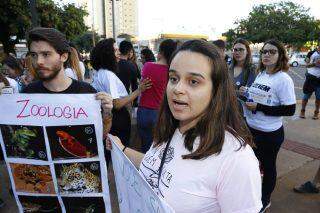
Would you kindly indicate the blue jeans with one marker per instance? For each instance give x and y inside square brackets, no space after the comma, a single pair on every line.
[146,120]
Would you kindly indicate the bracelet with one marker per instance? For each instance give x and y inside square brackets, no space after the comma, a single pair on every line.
[124,148]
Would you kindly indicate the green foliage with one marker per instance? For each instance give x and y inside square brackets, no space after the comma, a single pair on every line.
[285,21]
[84,42]
[15,19]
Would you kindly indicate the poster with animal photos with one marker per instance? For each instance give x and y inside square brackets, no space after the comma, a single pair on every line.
[53,149]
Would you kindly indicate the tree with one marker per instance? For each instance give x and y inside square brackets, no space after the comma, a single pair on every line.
[84,42]
[285,21]
[15,20]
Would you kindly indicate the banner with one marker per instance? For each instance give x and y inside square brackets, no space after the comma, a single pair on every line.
[134,193]
[52,145]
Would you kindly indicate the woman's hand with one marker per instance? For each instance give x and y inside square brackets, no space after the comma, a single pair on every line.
[145,84]
[242,90]
[252,106]
[106,102]
[116,140]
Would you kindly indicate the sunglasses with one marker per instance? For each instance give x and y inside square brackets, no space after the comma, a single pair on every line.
[238,50]
[270,52]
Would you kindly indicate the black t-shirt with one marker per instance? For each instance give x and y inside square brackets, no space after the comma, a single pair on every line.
[127,74]
[76,87]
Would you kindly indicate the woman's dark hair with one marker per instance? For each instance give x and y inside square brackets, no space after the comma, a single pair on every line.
[166,48]
[247,66]
[148,55]
[282,63]
[14,64]
[4,80]
[221,115]
[103,56]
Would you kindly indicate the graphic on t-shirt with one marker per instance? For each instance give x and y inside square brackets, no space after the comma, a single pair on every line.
[24,141]
[152,175]
[260,93]
[70,142]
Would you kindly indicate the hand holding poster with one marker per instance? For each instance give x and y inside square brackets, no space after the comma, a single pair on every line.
[134,193]
[53,149]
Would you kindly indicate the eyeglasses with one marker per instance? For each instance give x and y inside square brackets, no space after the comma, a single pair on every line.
[238,50]
[270,52]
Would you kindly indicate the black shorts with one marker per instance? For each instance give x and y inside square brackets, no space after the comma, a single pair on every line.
[311,84]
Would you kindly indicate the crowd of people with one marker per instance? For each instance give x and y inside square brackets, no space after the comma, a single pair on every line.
[210,126]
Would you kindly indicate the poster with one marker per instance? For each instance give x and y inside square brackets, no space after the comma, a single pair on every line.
[134,194]
[52,145]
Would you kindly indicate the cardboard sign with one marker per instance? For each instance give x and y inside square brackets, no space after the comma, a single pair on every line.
[52,145]
[134,194]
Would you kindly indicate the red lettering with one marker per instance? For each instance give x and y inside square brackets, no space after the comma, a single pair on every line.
[37,110]
[54,112]
[66,112]
[44,111]
[81,112]
[24,107]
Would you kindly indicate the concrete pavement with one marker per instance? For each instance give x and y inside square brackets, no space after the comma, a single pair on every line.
[298,160]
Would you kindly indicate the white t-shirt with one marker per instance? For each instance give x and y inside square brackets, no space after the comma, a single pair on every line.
[106,81]
[272,90]
[72,74]
[14,84]
[227,182]
[314,70]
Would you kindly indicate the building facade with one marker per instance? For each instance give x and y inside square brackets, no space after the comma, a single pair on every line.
[100,16]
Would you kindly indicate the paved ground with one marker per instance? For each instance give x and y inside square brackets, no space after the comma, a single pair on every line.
[298,160]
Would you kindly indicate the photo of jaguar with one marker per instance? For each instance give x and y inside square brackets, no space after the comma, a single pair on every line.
[77,178]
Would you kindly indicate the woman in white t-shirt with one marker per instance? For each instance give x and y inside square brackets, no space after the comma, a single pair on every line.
[272,95]
[201,160]
[74,67]
[104,57]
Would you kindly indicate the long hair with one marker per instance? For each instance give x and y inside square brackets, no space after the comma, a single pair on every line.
[282,63]
[30,67]
[14,64]
[4,80]
[103,55]
[221,115]
[74,63]
[247,66]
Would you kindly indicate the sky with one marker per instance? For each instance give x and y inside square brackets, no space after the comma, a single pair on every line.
[209,17]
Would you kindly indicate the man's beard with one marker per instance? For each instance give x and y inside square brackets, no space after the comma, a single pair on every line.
[54,72]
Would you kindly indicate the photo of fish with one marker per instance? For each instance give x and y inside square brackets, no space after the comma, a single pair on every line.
[24,142]
[72,142]
[84,204]
[40,204]
[78,178]
[32,178]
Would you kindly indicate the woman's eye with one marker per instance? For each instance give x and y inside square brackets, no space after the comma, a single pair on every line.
[173,79]
[194,82]
[45,54]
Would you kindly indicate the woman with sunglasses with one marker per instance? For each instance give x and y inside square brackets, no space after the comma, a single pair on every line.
[201,159]
[273,96]
[242,70]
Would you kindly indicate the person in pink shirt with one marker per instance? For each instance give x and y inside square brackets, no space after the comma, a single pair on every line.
[151,99]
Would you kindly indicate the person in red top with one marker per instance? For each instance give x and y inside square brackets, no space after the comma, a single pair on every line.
[151,99]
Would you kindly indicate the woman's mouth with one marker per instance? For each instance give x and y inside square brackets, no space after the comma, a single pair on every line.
[179,105]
